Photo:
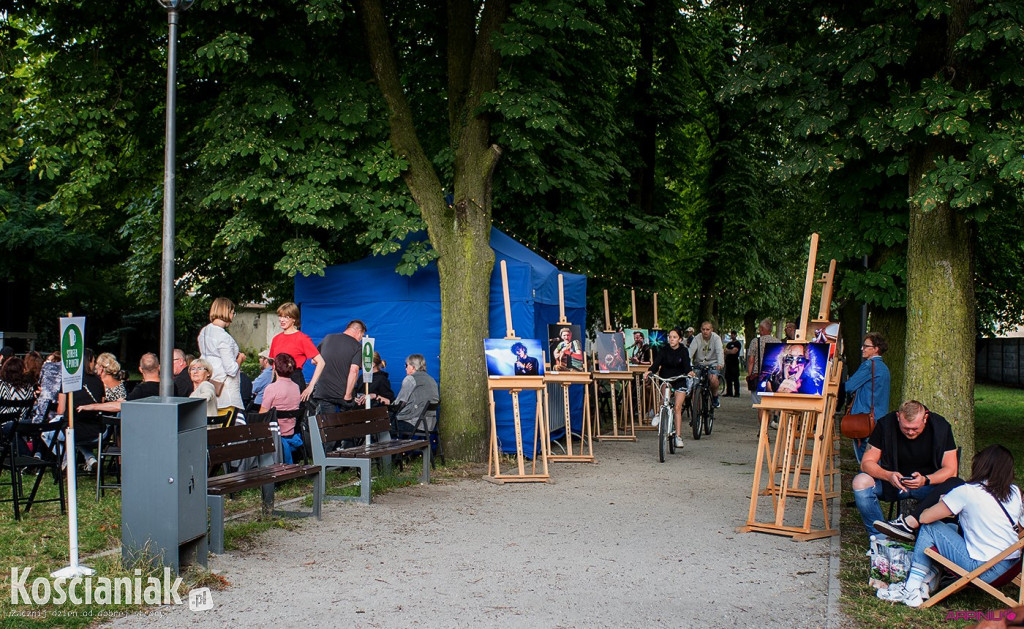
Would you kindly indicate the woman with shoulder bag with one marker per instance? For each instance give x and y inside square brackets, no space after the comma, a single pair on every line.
[869,385]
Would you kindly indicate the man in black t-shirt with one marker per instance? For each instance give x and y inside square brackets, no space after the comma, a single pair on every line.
[342,355]
[909,452]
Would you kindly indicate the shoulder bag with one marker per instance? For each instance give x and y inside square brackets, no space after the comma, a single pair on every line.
[860,425]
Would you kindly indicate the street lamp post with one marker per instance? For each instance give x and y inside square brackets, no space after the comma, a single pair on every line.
[173,7]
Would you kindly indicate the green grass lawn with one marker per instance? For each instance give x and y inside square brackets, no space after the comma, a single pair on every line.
[999,415]
[40,539]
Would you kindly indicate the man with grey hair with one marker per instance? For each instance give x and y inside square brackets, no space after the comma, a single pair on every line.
[755,356]
[418,390]
[182,383]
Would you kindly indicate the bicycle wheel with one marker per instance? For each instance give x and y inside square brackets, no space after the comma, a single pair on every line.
[698,413]
[707,410]
[670,432]
[663,420]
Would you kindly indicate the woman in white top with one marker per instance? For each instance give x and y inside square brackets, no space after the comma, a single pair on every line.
[990,510]
[199,372]
[218,349]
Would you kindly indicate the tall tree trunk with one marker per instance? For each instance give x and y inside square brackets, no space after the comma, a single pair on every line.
[940,274]
[461,232]
[940,310]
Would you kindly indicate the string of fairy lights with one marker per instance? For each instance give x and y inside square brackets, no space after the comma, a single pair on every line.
[671,292]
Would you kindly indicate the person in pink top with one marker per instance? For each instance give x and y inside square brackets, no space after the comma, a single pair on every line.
[283,394]
[299,345]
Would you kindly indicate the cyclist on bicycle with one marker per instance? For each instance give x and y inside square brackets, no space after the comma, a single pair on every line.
[669,362]
[706,351]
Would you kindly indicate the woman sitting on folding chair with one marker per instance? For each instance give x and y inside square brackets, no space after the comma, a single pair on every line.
[990,511]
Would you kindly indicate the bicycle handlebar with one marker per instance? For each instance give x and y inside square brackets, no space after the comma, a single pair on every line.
[672,379]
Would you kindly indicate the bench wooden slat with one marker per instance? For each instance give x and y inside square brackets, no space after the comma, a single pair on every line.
[250,479]
[353,424]
[379,449]
[239,442]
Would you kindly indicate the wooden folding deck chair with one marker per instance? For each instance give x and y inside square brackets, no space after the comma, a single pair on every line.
[973,577]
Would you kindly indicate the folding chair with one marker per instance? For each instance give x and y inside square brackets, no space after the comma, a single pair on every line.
[972,577]
[108,447]
[224,419]
[420,432]
[45,457]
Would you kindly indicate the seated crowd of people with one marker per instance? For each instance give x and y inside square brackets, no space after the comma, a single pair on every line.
[217,378]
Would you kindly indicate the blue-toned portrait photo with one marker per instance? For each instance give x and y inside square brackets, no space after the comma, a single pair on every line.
[514,357]
[796,368]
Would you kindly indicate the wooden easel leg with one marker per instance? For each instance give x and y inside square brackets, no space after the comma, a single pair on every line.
[519,433]
[588,429]
[568,419]
[493,455]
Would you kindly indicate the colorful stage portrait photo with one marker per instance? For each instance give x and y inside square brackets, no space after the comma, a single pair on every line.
[514,357]
[565,343]
[638,350]
[611,353]
[793,368]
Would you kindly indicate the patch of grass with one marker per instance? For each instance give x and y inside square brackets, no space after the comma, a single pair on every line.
[997,420]
[40,539]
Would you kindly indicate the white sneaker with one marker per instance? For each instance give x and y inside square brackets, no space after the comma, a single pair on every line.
[773,424]
[656,420]
[898,593]
[679,442]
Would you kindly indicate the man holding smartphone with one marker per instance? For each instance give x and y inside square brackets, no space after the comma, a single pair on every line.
[910,451]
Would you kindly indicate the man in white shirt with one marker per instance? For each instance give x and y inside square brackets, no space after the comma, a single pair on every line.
[706,350]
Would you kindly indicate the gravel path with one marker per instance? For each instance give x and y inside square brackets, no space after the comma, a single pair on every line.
[626,542]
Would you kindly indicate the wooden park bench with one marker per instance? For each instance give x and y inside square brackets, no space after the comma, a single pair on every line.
[243,442]
[332,427]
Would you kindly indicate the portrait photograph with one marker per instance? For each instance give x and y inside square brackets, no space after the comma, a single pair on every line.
[794,368]
[514,357]
[566,347]
[611,352]
[638,348]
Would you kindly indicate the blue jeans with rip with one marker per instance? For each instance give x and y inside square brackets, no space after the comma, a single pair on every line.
[871,510]
[950,544]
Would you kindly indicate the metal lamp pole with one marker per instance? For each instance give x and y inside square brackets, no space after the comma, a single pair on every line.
[173,7]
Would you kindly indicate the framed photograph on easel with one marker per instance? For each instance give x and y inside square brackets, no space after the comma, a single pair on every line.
[513,357]
[638,350]
[794,368]
[566,347]
[611,355]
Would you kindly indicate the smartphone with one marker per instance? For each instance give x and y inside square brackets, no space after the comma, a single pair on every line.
[904,479]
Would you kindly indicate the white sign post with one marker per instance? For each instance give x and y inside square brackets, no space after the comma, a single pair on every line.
[72,356]
[367,366]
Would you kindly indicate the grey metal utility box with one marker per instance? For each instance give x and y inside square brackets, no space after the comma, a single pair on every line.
[163,481]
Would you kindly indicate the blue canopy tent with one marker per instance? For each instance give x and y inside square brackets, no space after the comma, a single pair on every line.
[403,315]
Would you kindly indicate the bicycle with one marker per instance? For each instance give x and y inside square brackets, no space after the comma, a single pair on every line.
[702,419]
[666,421]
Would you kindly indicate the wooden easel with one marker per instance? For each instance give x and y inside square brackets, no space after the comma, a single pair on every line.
[645,389]
[804,421]
[626,381]
[566,379]
[514,385]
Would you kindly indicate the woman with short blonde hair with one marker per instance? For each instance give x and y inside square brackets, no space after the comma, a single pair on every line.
[220,351]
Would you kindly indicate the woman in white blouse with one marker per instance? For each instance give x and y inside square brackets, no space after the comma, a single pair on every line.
[218,349]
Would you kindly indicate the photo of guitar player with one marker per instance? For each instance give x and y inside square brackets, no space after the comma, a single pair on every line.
[566,347]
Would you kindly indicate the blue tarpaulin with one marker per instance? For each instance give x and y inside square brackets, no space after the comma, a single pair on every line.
[403,314]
